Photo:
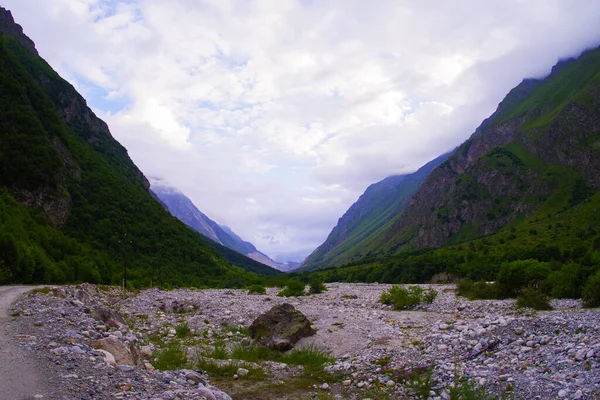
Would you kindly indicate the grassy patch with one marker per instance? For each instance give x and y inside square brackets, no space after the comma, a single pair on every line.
[182,330]
[172,357]
[403,298]
[43,290]
[308,356]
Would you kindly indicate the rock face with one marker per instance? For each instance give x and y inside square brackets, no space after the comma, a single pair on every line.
[9,27]
[280,327]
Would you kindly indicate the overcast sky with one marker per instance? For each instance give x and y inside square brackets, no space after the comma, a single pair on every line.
[274,116]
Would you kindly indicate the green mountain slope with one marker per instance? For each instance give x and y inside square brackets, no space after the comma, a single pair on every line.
[538,155]
[381,204]
[74,206]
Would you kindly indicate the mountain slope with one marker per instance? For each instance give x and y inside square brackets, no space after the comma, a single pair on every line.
[536,156]
[75,207]
[380,204]
[184,209]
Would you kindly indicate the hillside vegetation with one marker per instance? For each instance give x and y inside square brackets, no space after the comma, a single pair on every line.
[74,207]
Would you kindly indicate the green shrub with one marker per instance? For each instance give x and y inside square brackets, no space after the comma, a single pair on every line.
[257,289]
[293,288]
[317,286]
[533,298]
[182,330]
[516,275]
[402,298]
[564,283]
[173,357]
[478,291]
[591,291]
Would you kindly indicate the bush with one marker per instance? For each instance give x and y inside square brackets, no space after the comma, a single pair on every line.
[257,289]
[317,286]
[565,282]
[478,291]
[293,288]
[533,298]
[591,291]
[403,299]
[515,275]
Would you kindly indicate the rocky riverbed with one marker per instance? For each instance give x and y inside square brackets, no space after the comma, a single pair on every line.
[105,345]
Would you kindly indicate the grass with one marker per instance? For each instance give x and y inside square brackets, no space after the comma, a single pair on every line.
[43,290]
[308,356]
[172,357]
[383,361]
[219,351]
[406,298]
[254,353]
[182,330]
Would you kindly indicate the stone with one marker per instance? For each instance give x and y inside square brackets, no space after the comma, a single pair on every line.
[280,327]
[205,393]
[325,386]
[108,357]
[121,352]
[519,330]
[242,372]
[347,382]
[108,316]
[562,393]
[125,368]
[195,377]
[390,384]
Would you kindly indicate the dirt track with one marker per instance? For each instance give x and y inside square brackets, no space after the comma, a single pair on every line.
[22,377]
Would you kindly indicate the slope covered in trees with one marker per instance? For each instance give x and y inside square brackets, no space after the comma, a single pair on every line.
[74,206]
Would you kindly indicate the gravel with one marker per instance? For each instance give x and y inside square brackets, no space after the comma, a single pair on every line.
[491,344]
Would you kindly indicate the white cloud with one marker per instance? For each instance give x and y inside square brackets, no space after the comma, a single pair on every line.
[274,115]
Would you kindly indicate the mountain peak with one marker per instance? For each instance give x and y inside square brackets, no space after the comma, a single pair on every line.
[8,26]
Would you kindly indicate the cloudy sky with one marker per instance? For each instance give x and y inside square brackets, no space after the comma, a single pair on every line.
[274,116]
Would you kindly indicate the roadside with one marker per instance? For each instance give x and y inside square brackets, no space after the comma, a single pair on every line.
[23,376]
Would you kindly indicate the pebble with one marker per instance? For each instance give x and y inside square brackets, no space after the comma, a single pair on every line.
[547,354]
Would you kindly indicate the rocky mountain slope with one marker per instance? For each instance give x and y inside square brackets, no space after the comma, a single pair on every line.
[180,206]
[73,205]
[379,206]
[534,161]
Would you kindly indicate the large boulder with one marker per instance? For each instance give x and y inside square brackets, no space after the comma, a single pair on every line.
[280,327]
[108,316]
[124,353]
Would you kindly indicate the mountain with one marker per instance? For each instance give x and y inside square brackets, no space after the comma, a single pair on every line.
[524,186]
[372,213]
[73,206]
[182,208]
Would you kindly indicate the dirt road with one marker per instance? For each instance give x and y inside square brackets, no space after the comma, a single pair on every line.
[21,376]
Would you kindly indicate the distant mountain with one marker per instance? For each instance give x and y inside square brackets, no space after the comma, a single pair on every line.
[73,206]
[184,209]
[379,206]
